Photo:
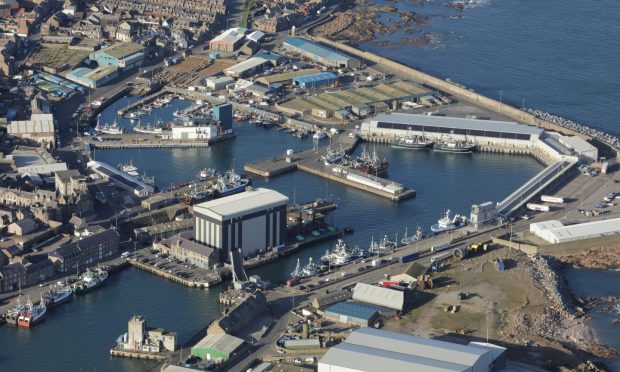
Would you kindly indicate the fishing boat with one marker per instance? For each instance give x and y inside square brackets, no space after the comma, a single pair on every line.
[412,143]
[332,156]
[206,173]
[319,134]
[456,147]
[197,197]
[90,280]
[419,235]
[448,222]
[32,314]
[129,168]
[309,270]
[230,183]
[382,247]
[341,254]
[149,129]
[109,128]
[57,296]
[13,314]
[369,163]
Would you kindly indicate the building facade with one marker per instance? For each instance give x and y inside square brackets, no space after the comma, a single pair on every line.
[187,251]
[86,252]
[252,220]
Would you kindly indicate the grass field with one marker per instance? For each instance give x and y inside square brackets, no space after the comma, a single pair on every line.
[57,57]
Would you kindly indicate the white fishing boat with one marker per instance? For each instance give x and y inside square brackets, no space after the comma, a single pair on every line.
[448,222]
[319,134]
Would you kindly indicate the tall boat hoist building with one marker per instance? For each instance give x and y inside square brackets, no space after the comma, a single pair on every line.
[252,220]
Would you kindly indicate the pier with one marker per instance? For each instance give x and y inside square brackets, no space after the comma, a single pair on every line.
[208,283]
[310,161]
[147,141]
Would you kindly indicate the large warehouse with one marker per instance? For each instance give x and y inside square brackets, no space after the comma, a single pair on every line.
[350,312]
[93,78]
[217,346]
[555,232]
[373,350]
[386,297]
[248,67]
[318,80]
[252,220]
[434,127]
[319,53]
[121,55]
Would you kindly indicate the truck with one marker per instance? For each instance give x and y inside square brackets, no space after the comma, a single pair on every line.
[538,207]
[408,257]
[552,199]
[376,263]
[441,246]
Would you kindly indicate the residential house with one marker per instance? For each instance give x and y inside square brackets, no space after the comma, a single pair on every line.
[23,227]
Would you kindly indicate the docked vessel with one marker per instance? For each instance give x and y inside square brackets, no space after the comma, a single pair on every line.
[382,247]
[32,314]
[57,296]
[149,129]
[369,163]
[129,168]
[13,314]
[310,269]
[240,117]
[319,134]
[206,173]
[419,235]
[332,157]
[457,147]
[448,222]
[412,143]
[90,280]
[109,128]
[197,197]
[341,254]
[231,183]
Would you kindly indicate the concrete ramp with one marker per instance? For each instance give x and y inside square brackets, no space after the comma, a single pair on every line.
[533,187]
[236,260]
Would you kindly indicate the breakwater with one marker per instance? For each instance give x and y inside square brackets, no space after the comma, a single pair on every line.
[531,117]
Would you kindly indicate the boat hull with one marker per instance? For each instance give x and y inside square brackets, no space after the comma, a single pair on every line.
[425,146]
[84,289]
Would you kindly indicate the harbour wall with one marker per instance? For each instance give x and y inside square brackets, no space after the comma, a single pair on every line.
[451,88]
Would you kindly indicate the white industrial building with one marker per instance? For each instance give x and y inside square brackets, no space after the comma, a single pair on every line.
[586,152]
[39,128]
[435,127]
[386,297]
[373,350]
[219,82]
[121,179]
[555,232]
[248,67]
[197,132]
[253,221]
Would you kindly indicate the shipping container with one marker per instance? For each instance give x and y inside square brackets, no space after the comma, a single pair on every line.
[409,257]
[386,283]
[292,282]
[538,207]
[552,199]
[376,263]
[440,247]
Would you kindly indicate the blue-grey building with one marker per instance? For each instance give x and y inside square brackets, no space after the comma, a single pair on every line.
[318,80]
[357,313]
[319,53]
[93,78]
[121,55]
[223,113]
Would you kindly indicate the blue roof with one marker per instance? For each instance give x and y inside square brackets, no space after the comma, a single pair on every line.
[269,56]
[312,78]
[316,49]
[80,71]
[351,309]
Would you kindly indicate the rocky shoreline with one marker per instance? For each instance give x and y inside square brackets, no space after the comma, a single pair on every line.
[580,128]
[603,257]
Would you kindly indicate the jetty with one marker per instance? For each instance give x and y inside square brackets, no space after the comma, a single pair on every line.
[147,141]
[310,161]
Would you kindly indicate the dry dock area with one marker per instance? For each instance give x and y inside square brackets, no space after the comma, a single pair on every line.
[310,161]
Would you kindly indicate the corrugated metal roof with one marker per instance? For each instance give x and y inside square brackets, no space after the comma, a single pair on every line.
[276,78]
[229,36]
[248,64]
[586,230]
[352,309]
[458,123]
[368,359]
[241,204]
[373,294]
[221,342]
[418,346]
[578,144]
[38,123]
[313,78]
[316,49]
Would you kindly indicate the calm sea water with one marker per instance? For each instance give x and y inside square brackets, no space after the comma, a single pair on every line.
[558,56]
[77,336]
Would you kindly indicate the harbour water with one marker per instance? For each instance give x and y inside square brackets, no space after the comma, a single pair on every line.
[77,336]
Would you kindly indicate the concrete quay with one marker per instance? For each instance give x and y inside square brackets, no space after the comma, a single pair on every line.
[208,283]
[146,141]
[139,355]
[310,161]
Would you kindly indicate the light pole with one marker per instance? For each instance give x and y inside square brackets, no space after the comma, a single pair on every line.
[500,100]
